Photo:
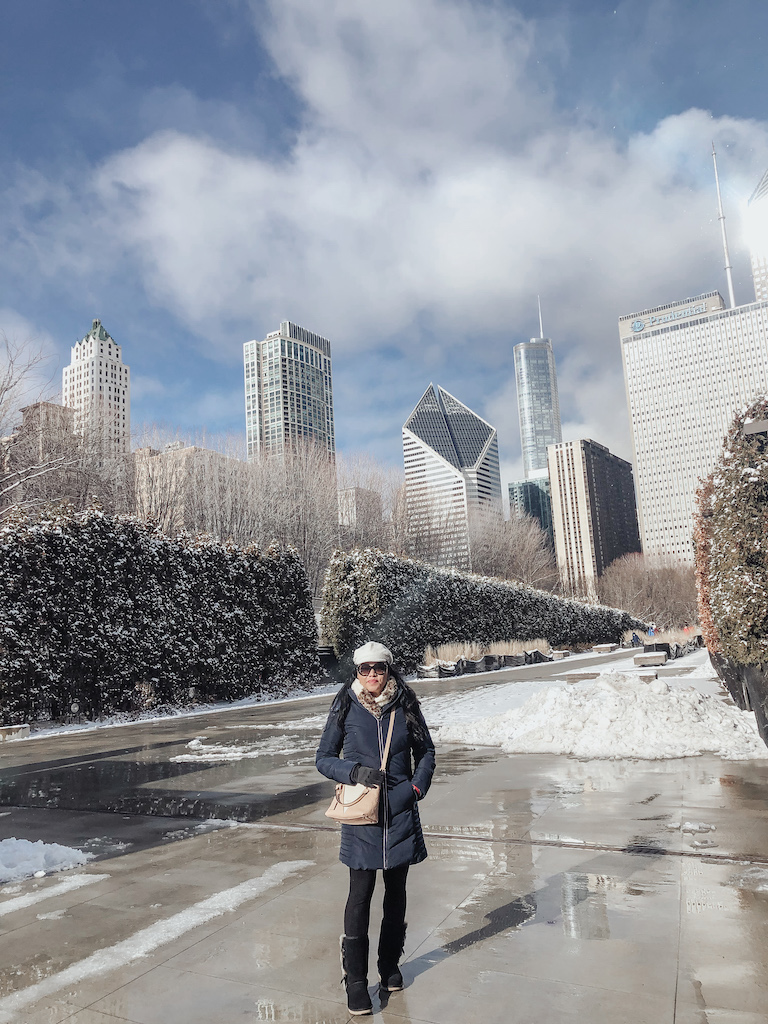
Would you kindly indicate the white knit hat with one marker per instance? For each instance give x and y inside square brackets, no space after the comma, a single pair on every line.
[372,651]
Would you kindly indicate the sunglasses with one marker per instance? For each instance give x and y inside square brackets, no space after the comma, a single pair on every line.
[379,667]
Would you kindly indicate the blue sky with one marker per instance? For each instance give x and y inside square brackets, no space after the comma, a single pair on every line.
[403,178]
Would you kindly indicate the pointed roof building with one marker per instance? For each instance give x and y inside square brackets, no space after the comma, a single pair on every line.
[451,460]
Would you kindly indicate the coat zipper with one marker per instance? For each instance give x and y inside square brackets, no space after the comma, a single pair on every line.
[385,800]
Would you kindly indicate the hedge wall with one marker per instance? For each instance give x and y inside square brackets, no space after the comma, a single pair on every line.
[738,527]
[100,609]
[407,605]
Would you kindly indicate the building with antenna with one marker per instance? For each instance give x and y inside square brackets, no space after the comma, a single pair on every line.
[538,404]
[689,366]
[538,409]
[451,458]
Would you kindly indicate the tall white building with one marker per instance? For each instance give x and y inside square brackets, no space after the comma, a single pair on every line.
[96,384]
[451,460]
[288,391]
[688,368]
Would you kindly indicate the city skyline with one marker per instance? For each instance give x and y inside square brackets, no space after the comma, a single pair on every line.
[193,191]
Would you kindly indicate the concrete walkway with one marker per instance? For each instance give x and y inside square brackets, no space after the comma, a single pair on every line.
[555,890]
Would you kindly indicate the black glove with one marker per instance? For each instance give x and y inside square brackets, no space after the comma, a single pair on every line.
[368,776]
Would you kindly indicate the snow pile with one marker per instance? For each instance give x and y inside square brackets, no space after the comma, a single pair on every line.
[19,858]
[616,716]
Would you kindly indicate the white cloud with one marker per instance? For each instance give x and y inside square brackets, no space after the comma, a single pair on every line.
[432,179]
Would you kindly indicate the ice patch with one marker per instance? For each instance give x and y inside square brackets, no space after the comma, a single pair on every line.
[199,750]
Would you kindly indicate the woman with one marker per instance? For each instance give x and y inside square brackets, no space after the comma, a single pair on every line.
[357,725]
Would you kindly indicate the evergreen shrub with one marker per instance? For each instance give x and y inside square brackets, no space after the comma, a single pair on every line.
[101,609]
[409,605]
[738,550]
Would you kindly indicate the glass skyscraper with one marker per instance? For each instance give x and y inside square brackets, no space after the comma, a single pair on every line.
[288,391]
[532,498]
[451,460]
[538,404]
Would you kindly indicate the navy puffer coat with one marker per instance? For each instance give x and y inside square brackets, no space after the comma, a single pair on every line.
[397,838]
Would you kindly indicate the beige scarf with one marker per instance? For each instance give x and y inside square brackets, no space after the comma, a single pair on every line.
[373,704]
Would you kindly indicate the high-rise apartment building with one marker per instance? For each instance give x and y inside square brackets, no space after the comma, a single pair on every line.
[593,510]
[96,385]
[688,367]
[532,498]
[538,404]
[288,391]
[451,460]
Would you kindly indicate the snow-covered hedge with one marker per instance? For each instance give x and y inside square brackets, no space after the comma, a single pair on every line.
[105,611]
[702,540]
[738,556]
[408,605]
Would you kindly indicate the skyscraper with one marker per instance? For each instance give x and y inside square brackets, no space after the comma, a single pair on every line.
[593,509]
[451,460]
[288,391]
[757,228]
[688,367]
[532,498]
[96,385]
[538,404]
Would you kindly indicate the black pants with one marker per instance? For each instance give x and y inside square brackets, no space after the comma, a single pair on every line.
[357,913]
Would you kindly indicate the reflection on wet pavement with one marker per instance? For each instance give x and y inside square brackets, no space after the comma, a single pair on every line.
[555,890]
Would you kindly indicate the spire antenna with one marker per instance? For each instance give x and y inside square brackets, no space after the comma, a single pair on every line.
[721,218]
[541,325]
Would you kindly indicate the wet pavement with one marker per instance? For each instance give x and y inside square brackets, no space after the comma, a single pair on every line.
[555,890]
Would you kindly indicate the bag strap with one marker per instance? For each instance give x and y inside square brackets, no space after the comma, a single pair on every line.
[385,755]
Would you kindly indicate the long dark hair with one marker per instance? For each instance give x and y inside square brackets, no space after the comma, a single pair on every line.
[410,703]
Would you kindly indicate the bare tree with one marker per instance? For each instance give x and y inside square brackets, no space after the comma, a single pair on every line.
[291,498]
[514,549]
[46,460]
[658,591]
[296,498]
[20,379]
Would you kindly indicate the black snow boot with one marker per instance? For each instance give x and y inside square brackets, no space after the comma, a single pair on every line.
[354,967]
[391,943]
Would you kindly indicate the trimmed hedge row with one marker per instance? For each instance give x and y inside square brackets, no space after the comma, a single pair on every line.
[408,605]
[738,553]
[105,611]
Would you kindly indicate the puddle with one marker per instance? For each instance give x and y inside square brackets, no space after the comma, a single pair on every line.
[458,760]
[161,787]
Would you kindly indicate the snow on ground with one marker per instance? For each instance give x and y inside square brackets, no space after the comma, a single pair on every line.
[617,715]
[19,858]
[152,716]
